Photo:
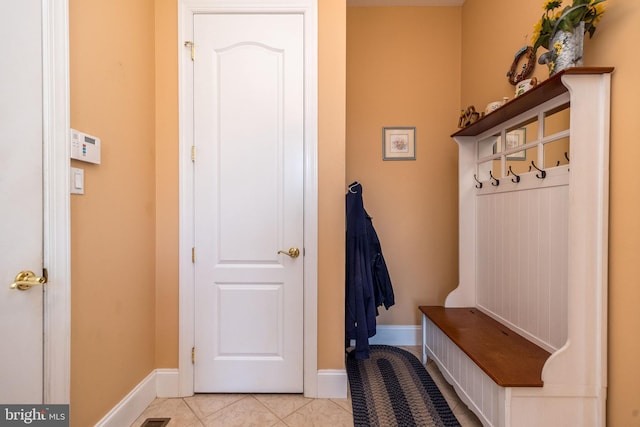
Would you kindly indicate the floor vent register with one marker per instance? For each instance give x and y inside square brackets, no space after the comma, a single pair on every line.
[156,422]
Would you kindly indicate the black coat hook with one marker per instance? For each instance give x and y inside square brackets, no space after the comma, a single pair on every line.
[511,172]
[479,184]
[495,181]
[566,156]
[542,174]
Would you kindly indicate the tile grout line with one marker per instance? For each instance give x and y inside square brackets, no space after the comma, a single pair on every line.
[268,409]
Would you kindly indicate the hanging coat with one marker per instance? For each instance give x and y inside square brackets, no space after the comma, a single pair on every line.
[368,284]
[380,274]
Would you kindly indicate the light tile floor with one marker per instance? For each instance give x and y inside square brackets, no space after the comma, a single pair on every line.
[279,410]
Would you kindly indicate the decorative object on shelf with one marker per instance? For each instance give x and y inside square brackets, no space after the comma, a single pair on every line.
[562,32]
[399,143]
[468,116]
[526,85]
[493,106]
[529,54]
[565,50]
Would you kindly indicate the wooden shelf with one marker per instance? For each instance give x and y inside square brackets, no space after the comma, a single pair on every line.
[543,92]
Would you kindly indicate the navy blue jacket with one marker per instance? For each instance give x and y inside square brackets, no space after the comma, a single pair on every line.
[368,284]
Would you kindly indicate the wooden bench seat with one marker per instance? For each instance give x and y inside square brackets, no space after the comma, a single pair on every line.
[506,357]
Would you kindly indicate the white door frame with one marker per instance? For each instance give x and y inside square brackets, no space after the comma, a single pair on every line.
[56,234]
[186,10]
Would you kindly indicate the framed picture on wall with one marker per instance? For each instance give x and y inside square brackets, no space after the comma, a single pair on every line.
[516,138]
[399,143]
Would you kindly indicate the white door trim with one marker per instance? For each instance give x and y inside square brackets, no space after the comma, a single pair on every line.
[57,302]
[186,10]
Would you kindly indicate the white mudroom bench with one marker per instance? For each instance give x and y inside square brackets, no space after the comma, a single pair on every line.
[523,338]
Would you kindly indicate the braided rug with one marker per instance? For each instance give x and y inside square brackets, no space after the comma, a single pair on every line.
[392,388]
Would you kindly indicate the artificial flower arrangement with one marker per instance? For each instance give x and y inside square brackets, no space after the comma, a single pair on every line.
[556,19]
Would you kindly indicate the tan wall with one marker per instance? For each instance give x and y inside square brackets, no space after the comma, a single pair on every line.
[618,36]
[403,69]
[167,179]
[113,223]
[487,54]
[331,178]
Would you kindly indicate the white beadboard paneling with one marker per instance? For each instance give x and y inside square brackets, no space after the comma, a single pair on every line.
[558,304]
[522,253]
[482,267]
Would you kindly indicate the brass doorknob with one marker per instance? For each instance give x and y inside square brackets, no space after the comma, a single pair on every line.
[27,279]
[293,252]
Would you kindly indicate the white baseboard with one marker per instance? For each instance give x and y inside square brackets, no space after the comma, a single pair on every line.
[396,335]
[332,383]
[134,403]
[159,383]
[167,383]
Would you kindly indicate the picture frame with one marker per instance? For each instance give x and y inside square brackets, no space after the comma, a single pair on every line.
[516,138]
[399,143]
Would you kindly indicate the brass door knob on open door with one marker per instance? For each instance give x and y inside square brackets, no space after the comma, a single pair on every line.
[293,252]
[27,279]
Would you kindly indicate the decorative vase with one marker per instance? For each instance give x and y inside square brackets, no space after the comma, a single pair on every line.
[565,50]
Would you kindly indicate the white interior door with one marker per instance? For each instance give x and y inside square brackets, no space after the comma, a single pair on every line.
[248,195]
[21,233]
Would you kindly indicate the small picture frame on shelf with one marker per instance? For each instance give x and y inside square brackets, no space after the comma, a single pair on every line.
[399,143]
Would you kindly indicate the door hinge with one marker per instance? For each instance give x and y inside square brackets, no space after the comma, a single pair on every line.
[193,254]
[193,49]
[193,355]
[193,153]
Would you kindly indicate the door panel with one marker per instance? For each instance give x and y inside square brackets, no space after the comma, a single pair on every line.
[248,132]
[21,327]
[249,146]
